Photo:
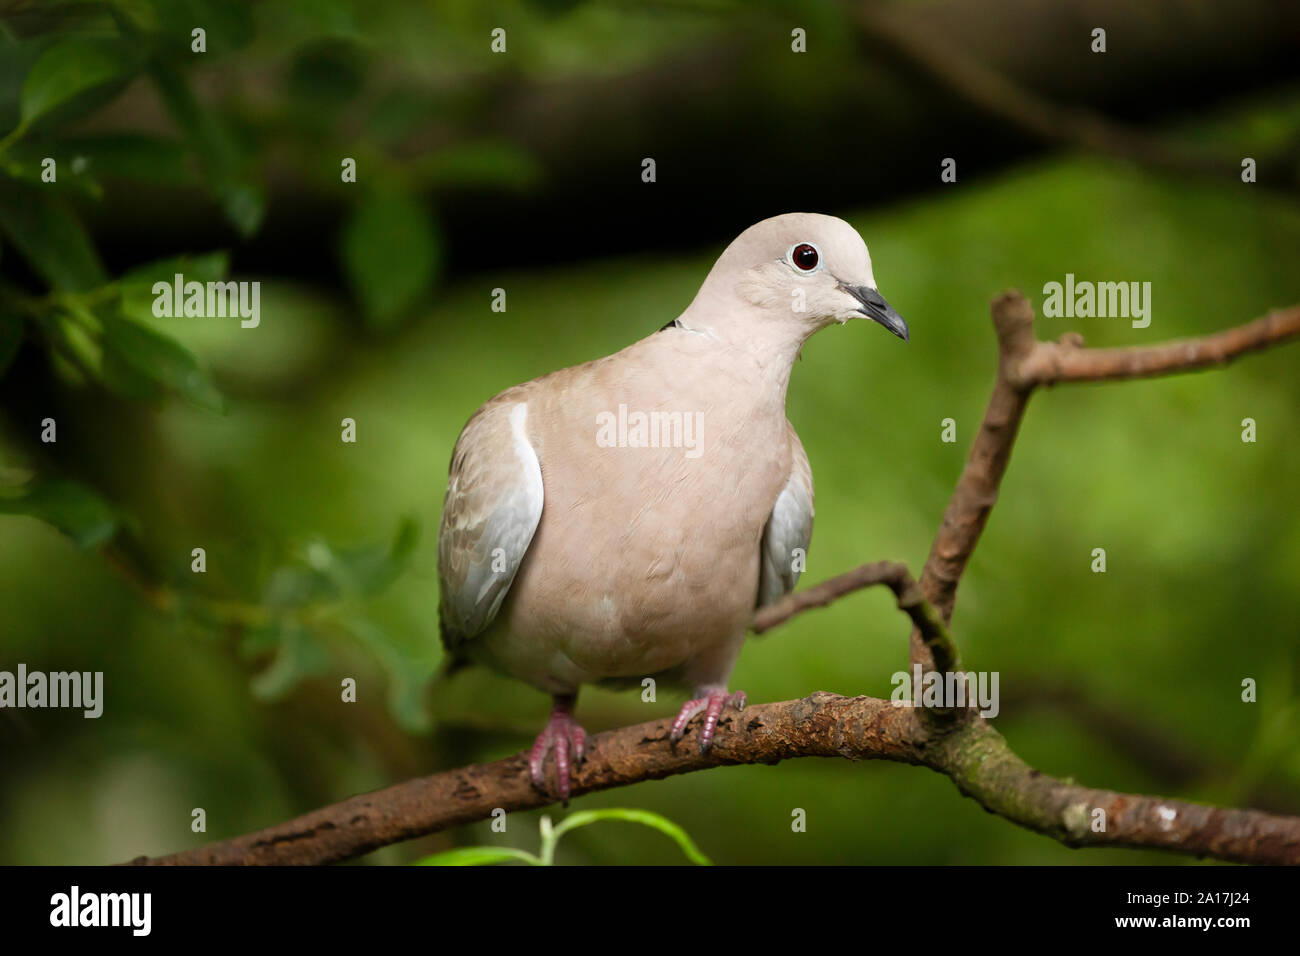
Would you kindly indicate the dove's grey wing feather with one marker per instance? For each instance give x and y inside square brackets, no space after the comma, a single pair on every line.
[789,528]
[493,505]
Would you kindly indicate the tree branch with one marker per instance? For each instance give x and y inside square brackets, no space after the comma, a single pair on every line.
[967,750]
[1161,753]
[1052,362]
[977,488]
[975,756]
[1025,363]
[928,622]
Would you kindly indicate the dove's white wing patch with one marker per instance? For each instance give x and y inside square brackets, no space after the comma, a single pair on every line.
[788,531]
[493,505]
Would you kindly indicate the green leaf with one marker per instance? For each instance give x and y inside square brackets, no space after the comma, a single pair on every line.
[135,156]
[644,817]
[390,253]
[332,573]
[75,339]
[257,641]
[244,205]
[162,359]
[370,570]
[16,60]
[200,267]
[50,237]
[136,285]
[298,658]
[292,587]
[125,379]
[221,154]
[364,571]
[404,542]
[26,162]
[407,678]
[477,856]
[72,66]
[11,338]
[71,507]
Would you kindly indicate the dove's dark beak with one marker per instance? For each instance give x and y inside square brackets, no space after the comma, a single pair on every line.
[875,307]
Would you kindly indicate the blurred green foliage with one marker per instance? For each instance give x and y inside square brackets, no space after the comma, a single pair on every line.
[550,840]
[223,688]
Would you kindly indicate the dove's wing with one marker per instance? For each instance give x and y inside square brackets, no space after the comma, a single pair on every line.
[493,504]
[789,529]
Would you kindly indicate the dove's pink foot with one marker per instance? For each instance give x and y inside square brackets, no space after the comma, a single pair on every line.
[711,700]
[565,738]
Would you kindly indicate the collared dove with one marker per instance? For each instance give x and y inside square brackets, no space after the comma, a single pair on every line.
[624,518]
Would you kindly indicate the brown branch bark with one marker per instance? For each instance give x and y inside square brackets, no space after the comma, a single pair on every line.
[1160,751]
[975,756]
[1052,362]
[969,751]
[929,624]
[977,488]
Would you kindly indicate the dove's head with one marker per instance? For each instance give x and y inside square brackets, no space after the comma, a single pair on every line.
[802,270]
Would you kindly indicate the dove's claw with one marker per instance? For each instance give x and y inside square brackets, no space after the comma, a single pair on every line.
[567,739]
[711,701]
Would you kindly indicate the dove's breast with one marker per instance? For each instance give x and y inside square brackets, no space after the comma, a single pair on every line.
[659,472]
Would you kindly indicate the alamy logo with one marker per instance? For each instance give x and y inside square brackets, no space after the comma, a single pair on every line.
[75,908]
[76,689]
[208,300]
[1086,300]
[650,430]
[947,691]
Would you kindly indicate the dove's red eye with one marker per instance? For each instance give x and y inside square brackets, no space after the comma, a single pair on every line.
[804,256]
